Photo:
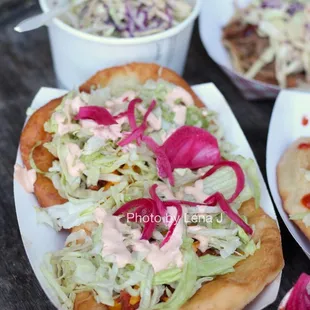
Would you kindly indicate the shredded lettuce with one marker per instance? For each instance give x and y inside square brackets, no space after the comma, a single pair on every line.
[167,276]
[185,287]
[69,215]
[251,171]
[226,245]
[249,167]
[210,265]
[195,117]
[146,287]
[184,176]
[224,181]
[304,216]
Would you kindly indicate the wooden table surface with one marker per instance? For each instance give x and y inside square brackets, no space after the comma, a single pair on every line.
[25,66]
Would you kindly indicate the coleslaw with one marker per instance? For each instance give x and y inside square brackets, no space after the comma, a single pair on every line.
[130,18]
[286,24]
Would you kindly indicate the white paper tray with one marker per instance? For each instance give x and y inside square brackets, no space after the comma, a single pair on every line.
[39,239]
[285,127]
[213,17]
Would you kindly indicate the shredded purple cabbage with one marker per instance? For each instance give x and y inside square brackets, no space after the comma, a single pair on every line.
[295,7]
[127,18]
[275,4]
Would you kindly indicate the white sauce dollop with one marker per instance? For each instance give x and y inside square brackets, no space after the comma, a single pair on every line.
[26,178]
[113,245]
[74,165]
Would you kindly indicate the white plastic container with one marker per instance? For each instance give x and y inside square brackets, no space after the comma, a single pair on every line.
[78,55]
[212,19]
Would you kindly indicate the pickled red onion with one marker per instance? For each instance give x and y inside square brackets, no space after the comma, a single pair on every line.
[239,174]
[191,147]
[174,223]
[300,296]
[153,206]
[137,132]
[100,115]
[133,204]
[160,205]
[219,198]
[188,147]
[131,113]
[149,226]
[141,207]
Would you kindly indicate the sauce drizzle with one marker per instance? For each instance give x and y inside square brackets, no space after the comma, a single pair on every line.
[304,146]
[305,121]
[305,201]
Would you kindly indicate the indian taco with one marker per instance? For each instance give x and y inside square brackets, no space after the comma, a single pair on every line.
[161,213]
[293,176]
[268,42]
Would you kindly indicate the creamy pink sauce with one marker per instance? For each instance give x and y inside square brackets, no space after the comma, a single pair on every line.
[165,191]
[74,165]
[203,240]
[196,191]
[112,238]
[75,104]
[167,256]
[153,121]
[120,104]
[116,246]
[64,121]
[26,178]
[126,97]
[63,128]
[179,110]
[179,93]
[180,114]
[129,148]
[112,132]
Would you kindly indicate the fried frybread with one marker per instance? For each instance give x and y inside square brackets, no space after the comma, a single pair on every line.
[292,182]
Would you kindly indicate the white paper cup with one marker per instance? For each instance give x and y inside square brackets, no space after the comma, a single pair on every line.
[211,22]
[77,55]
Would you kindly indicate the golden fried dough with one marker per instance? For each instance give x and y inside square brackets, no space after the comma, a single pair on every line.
[292,182]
